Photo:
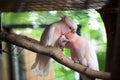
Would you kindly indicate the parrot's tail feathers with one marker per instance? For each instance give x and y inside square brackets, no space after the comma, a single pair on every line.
[41,72]
[41,65]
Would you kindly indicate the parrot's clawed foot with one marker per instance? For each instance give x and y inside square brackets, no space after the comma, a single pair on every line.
[77,61]
[49,46]
[86,68]
[61,48]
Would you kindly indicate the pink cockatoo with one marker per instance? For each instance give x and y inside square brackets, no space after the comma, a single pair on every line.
[81,51]
[50,37]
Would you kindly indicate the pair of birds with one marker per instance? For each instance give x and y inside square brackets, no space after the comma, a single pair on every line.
[63,33]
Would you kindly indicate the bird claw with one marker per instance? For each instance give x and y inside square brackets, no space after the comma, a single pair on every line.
[77,61]
[86,68]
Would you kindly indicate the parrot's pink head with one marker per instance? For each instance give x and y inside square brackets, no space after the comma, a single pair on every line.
[71,24]
[69,35]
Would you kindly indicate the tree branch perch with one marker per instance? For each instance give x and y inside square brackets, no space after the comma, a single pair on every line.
[55,53]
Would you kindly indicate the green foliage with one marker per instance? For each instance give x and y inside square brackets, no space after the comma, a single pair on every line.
[92,29]
[62,72]
[37,32]
[34,32]
[29,18]
[101,60]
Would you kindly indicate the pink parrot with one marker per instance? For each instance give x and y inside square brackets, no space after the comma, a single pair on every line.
[50,37]
[81,51]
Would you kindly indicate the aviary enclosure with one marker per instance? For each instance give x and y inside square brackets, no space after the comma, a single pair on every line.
[95,22]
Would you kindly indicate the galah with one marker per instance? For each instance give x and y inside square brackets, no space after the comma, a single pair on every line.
[81,51]
[50,37]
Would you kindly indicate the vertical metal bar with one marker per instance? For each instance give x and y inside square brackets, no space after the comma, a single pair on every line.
[13,62]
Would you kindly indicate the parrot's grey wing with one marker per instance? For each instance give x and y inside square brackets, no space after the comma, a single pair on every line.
[47,36]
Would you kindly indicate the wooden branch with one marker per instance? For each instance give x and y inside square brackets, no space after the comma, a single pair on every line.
[54,53]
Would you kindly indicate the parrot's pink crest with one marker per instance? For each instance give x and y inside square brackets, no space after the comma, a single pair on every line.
[72,24]
[50,37]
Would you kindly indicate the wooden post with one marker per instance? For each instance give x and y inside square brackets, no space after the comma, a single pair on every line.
[116,59]
[109,15]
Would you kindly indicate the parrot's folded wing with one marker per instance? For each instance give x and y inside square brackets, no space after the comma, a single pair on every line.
[42,62]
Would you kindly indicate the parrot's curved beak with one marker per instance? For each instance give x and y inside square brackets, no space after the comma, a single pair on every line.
[73,30]
[67,42]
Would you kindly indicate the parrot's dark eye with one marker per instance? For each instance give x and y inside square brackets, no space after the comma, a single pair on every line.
[70,28]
